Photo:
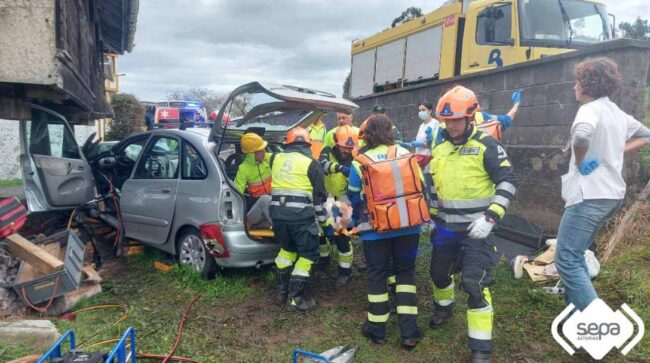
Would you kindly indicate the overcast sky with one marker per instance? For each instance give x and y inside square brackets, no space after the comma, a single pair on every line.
[221,44]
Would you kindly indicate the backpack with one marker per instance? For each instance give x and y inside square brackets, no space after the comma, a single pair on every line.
[12,216]
[393,191]
[492,128]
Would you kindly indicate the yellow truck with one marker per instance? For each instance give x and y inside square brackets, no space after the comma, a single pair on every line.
[463,37]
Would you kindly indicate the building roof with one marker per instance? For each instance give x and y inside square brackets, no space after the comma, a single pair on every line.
[118,19]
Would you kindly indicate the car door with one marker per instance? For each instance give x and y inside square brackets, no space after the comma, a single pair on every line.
[148,198]
[56,174]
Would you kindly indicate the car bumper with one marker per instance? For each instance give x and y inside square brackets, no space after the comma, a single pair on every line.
[246,252]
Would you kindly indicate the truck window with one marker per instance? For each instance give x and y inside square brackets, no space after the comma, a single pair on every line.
[494,25]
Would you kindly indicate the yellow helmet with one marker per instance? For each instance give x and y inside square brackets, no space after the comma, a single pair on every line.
[252,142]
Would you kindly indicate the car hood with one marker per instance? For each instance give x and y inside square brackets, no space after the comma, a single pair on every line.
[273,109]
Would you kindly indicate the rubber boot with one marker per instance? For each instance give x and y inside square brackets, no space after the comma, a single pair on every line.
[481,357]
[282,290]
[374,332]
[297,301]
[440,317]
[411,342]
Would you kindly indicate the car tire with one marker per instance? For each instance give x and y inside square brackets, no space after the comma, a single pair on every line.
[193,253]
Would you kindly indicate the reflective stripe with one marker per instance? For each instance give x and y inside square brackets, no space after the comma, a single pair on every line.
[498,199]
[444,297]
[282,262]
[405,288]
[378,318]
[445,302]
[318,208]
[479,323]
[377,298]
[392,280]
[291,193]
[325,254]
[499,210]
[461,204]
[460,218]
[353,189]
[302,267]
[410,310]
[291,204]
[399,190]
[508,187]
[480,335]
[433,204]
[345,264]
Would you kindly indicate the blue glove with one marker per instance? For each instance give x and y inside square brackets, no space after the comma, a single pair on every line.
[516,97]
[429,133]
[345,170]
[587,166]
[406,145]
[328,231]
[418,144]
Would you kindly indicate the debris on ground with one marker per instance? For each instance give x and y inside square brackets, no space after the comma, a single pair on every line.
[39,335]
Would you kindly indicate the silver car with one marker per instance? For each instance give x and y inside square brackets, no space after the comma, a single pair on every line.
[174,187]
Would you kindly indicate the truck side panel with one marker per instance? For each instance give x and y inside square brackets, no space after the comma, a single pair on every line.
[423,55]
[362,78]
[390,62]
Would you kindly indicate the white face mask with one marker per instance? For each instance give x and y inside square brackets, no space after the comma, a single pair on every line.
[423,115]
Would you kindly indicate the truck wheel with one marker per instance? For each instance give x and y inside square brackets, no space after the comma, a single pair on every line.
[193,253]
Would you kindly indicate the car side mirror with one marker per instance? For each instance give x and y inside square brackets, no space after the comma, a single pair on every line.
[107,163]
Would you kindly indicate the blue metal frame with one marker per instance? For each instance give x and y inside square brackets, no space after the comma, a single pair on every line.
[119,351]
[55,350]
[307,354]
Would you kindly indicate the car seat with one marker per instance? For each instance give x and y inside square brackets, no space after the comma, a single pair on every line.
[233,161]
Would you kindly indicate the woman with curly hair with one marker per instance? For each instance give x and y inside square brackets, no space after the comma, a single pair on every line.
[593,189]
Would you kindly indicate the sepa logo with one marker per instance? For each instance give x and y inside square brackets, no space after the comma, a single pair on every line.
[597,329]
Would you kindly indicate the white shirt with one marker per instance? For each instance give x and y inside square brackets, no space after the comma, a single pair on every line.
[422,137]
[612,128]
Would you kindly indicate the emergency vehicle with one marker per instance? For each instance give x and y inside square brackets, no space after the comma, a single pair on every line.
[171,114]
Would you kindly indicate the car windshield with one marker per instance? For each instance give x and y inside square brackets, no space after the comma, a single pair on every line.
[562,23]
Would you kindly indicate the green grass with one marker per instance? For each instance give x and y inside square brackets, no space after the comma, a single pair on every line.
[10,182]
[236,321]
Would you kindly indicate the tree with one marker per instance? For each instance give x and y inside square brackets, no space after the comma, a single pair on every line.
[346,86]
[129,116]
[637,30]
[211,101]
[407,15]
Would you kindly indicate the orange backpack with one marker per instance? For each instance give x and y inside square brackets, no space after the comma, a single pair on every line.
[492,128]
[394,192]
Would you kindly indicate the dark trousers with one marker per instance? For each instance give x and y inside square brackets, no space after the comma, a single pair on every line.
[344,248]
[455,252]
[379,253]
[299,244]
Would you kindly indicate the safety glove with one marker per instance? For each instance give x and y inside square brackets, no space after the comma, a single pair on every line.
[480,228]
[588,165]
[516,97]
[406,145]
[429,134]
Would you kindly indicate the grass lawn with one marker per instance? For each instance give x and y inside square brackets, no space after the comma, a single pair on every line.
[235,319]
[10,182]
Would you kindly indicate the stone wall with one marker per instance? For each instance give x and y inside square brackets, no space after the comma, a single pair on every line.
[541,128]
[10,147]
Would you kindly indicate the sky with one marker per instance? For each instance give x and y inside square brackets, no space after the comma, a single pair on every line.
[222,44]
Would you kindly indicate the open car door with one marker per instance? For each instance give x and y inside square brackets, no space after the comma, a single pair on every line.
[56,175]
[274,108]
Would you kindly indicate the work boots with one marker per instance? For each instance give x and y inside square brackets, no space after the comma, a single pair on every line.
[283,285]
[297,301]
[439,318]
[481,357]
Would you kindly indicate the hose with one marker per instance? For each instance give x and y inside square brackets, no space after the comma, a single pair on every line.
[180,327]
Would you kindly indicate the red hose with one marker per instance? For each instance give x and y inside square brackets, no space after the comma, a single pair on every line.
[180,328]
[161,357]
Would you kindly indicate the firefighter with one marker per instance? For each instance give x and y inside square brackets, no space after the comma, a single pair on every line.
[317,132]
[254,174]
[473,184]
[298,193]
[342,118]
[336,166]
[393,238]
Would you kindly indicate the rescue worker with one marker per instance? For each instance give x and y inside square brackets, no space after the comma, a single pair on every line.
[399,245]
[342,118]
[298,194]
[473,184]
[336,166]
[504,120]
[254,174]
[317,132]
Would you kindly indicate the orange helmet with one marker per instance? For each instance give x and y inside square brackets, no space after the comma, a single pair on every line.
[458,102]
[346,136]
[298,134]
[362,128]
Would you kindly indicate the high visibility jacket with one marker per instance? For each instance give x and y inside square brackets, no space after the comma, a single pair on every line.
[297,188]
[317,132]
[470,180]
[254,176]
[335,182]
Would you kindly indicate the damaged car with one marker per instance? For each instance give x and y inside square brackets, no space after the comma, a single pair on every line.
[172,189]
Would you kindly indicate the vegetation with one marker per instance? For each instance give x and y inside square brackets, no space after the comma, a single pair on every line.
[408,14]
[637,30]
[210,100]
[10,182]
[235,319]
[129,116]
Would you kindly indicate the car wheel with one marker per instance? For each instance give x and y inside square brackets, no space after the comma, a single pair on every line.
[193,253]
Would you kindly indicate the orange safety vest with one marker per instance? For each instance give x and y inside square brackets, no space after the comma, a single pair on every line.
[260,188]
[393,191]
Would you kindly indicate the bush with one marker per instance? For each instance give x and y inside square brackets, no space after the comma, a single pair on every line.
[129,116]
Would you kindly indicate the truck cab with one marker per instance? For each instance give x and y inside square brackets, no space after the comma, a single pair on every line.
[499,33]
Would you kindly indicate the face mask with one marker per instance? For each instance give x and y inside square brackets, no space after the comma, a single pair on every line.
[423,115]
